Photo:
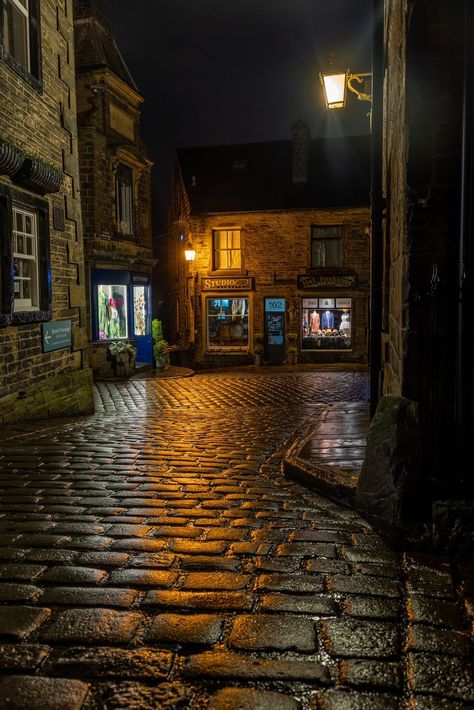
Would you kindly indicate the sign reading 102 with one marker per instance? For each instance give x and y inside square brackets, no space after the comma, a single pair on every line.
[275,305]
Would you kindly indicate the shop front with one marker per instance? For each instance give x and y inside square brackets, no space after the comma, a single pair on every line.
[227,317]
[121,310]
[333,323]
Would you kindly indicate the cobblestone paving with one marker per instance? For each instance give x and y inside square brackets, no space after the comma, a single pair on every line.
[152,556]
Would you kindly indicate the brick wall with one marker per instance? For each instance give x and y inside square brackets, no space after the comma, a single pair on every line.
[43,124]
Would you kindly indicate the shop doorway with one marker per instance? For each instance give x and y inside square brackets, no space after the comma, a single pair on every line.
[142,323]
[274,328]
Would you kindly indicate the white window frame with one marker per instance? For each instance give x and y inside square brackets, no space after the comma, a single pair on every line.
[26,304]
[24,9]
[216,251]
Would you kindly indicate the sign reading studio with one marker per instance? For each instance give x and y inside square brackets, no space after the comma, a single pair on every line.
[232,283]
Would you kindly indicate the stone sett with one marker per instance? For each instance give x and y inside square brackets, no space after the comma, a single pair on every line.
[204,629]
[96,626]
[16,622]
[258,632]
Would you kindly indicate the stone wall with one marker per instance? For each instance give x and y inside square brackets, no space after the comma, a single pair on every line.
[423,103]
[40,119]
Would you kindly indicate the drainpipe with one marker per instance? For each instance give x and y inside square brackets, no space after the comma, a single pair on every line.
[465,308]
[377,205]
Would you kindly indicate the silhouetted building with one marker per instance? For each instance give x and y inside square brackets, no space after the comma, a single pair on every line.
[116,192]
[428,154]
[43,334]
[281,238]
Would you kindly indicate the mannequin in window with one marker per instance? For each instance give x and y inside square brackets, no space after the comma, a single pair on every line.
[314,322]
[328,319]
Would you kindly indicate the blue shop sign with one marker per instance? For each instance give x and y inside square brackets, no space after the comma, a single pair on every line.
[275,305]
[56,335]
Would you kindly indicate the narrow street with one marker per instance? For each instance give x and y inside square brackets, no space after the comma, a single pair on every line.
[153,556]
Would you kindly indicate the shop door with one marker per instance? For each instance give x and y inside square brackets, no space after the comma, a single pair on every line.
[275,309]
[142,324]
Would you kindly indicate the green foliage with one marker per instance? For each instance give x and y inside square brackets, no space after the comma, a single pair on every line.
[159,343]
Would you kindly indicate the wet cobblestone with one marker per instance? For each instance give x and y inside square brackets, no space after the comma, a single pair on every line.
[153,556]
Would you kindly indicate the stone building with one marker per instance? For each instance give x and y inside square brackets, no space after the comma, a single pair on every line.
[116,192]
[427,320]
[280,232]
[43,336]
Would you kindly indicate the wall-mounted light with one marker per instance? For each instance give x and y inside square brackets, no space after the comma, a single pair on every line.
[189,252]
[335,83]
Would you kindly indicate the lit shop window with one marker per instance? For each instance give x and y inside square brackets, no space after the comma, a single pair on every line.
[326,324]
[139,310]
[112,312]
[25,260]
[227,322]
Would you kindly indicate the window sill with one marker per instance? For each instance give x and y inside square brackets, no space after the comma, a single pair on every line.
[228,272]
[34,82]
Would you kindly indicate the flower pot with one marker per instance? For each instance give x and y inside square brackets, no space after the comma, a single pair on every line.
[38,176]
[11,159]
[160,362]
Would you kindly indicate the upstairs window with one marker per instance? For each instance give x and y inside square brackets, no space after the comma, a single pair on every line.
[326,246]
[20,36]
[226,249]
[25,260]
[124,200]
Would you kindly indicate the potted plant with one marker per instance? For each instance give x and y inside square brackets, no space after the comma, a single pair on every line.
[123,354]
[160,346]
[11,158]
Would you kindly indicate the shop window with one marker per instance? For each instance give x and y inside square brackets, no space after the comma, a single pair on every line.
[226,249]
[326,324]
[25,261]
[20,35]
[139,311]
[112,311]
[124,200]
[326,246]
[227,322]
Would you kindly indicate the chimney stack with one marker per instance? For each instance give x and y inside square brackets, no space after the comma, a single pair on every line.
[301,139]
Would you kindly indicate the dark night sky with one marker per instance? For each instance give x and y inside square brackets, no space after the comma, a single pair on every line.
[232,71]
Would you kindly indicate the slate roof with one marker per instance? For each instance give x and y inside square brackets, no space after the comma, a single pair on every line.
[258,176]
[95,46]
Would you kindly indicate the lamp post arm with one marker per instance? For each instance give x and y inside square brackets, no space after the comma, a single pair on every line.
[360,79]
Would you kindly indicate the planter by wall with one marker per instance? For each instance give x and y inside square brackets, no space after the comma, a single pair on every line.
[11,159]
[38,176]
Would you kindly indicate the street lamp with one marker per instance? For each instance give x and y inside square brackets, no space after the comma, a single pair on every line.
[189,252]
[335,84]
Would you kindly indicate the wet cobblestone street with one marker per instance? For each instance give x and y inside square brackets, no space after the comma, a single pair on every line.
[153,556]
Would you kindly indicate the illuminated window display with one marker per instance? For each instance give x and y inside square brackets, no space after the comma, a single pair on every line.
[139,310]
[227,322]
[326,324]
[112,312]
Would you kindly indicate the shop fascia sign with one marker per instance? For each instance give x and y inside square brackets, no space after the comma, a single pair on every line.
[306,283]
[227,284]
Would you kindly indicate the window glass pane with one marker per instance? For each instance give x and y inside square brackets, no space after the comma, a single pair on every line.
[227,251]
[227,322]
[112,315]
[124,197]
[139,310]
[15,20]
[326,328]
[25,266]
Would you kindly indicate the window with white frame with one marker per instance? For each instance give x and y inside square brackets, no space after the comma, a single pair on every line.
[226,249]
[25,260]
[326,245]
[16,31]
[124,200]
